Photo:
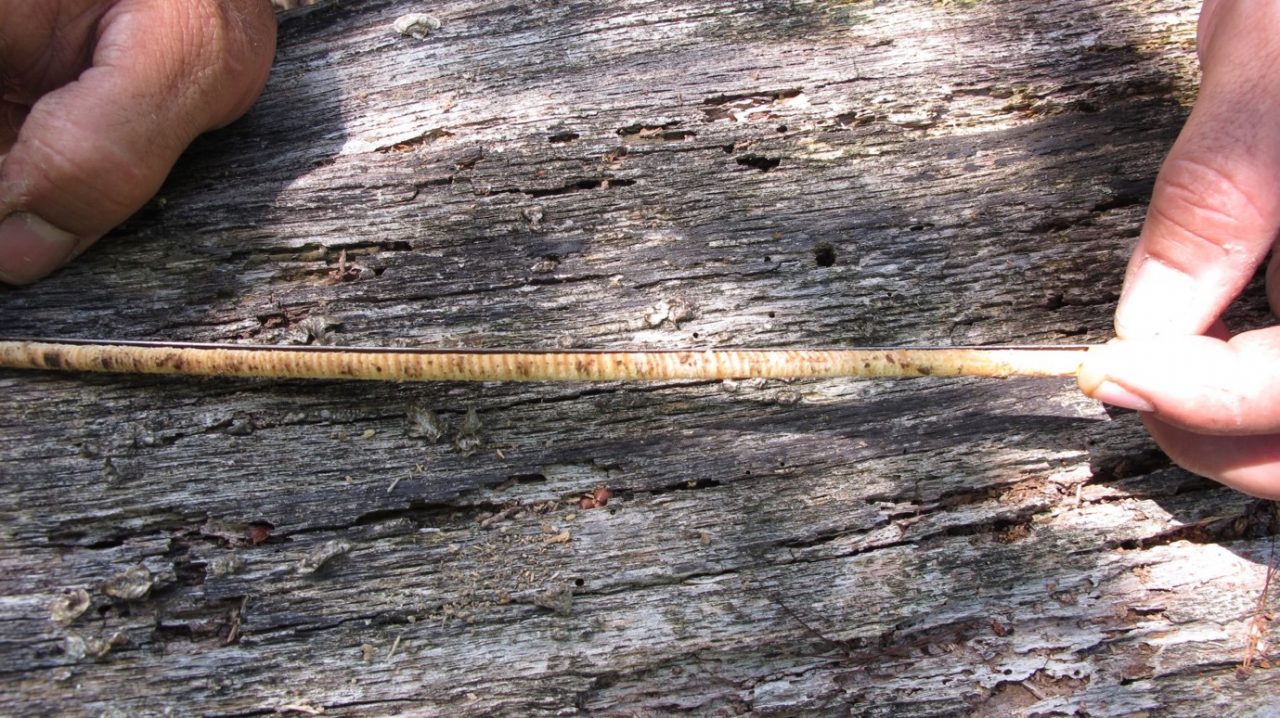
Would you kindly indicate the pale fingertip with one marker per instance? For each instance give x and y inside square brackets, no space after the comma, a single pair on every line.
[31,248]
[1101,373]
[1092,372]
[1158,299]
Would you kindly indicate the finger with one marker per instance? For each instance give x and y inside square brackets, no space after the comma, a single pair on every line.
[1206,26]
[1246,463]
[1197,383]
[90,153]
[45,45]
[42,47]
[1214,210]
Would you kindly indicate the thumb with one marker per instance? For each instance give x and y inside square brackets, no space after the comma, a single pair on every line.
[1215,209]
[1197,383]
[93,151]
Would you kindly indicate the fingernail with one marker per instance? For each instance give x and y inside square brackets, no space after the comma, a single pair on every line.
[31,248]
[1157,299]
[1101,363]
[1109,392]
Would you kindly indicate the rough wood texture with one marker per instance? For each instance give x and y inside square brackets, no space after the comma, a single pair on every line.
[634,174]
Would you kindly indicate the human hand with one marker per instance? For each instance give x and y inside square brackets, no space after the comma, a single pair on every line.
[97,100]
[1211,402]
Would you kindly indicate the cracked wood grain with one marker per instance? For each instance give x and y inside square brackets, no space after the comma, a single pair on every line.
[650,175]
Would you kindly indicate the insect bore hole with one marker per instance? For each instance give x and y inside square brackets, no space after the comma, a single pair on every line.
[824,254]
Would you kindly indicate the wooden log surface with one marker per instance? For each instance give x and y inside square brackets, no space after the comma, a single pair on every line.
[630,175]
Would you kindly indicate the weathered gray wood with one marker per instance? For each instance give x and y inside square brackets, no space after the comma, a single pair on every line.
[634,174]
